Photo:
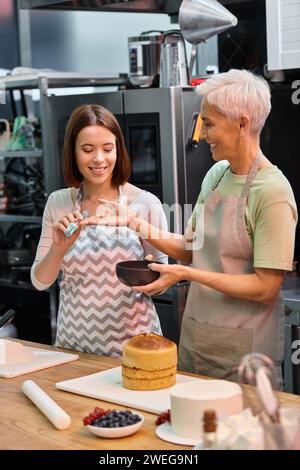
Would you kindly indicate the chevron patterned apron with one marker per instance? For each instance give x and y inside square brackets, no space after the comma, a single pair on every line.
[96,311]
[217,330]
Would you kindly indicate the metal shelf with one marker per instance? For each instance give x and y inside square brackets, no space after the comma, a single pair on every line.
[22,285]
[44,80]
[131,6]
[18,285]
[31,219]
[21,154]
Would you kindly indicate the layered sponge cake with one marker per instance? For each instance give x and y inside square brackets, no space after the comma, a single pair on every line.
[149,362]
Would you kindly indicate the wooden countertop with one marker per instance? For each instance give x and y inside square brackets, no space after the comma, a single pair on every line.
[23,426]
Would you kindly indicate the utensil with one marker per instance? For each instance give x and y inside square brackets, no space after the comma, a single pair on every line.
[200,20]
[173,60]
[258,369]
[136,272]
[7,317]
[46,405]
[118,431]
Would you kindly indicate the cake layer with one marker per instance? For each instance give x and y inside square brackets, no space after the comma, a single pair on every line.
[133,373]
[149,352]
[149,384]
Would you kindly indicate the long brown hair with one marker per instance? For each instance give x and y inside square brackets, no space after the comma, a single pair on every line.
[90,115]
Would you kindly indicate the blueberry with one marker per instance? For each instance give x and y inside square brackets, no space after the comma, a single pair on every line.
[116,419]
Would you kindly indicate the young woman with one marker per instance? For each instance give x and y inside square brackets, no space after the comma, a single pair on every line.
[96,312]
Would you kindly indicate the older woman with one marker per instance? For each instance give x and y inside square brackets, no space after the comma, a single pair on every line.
[233,306]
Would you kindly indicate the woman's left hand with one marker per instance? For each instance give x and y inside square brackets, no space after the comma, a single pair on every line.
[169,275]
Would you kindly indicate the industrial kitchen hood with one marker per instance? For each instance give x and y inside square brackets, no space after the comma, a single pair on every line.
[170,7]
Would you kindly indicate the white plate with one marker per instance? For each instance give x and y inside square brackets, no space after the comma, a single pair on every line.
[117,432]
[165,432]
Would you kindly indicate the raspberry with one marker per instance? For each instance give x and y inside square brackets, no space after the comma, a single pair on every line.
[165,416]
[87,421]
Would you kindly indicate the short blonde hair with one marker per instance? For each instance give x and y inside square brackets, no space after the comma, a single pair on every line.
[236,92]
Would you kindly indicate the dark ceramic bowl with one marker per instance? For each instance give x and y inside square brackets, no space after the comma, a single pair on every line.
[136,273]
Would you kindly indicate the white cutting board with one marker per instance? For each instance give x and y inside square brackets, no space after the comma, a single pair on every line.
[107,386]
[42,359]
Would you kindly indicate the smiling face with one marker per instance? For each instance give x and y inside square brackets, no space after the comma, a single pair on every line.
[96,154]
[222,134]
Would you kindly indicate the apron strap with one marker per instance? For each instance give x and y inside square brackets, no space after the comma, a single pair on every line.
[74,195]
[252,173]
[219,180]
[243,200]
[250,177]
[77,196]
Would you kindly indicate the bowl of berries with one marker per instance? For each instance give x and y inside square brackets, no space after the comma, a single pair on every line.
[113,423]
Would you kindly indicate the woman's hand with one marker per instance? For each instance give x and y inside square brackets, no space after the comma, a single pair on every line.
[112,214]
[60,241]
[169,275]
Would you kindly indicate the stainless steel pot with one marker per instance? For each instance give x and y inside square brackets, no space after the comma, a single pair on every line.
[144,57]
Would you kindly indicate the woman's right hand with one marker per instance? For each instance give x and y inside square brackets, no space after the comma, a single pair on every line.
[60,240]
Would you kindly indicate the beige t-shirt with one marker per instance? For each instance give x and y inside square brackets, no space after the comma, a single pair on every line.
[271,212]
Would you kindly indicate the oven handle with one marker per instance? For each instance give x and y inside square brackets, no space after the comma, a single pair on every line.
[196,133]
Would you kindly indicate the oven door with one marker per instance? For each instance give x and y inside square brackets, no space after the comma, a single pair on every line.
[143,143]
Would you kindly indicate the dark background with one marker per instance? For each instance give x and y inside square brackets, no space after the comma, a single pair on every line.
[245,47]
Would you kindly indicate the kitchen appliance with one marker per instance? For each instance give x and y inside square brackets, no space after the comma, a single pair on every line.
[144,58]
[24,187]
[200,20]
[173,61]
